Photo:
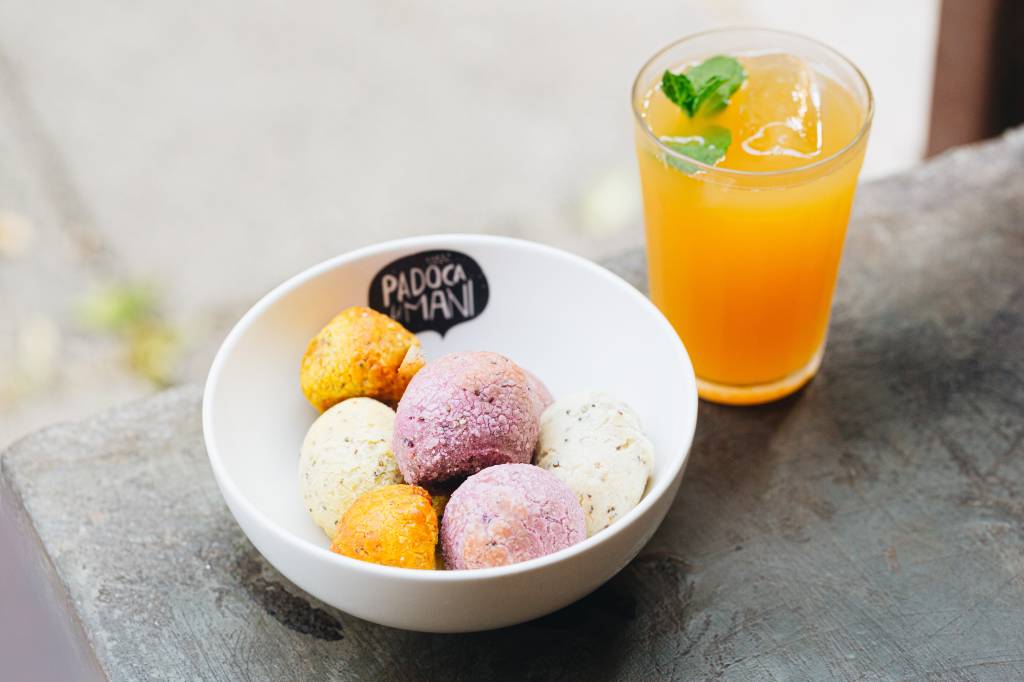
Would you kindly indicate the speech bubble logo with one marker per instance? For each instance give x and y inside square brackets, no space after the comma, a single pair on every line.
[430,290]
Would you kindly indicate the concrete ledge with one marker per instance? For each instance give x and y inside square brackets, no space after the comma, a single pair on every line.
[869,526]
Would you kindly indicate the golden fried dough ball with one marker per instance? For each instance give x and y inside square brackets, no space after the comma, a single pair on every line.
[395,526]
[360,353]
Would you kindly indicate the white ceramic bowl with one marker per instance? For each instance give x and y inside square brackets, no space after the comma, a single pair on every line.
[572,323]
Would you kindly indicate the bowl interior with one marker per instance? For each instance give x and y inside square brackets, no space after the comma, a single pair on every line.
[573,324]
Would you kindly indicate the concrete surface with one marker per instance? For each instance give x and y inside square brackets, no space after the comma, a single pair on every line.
[866,528]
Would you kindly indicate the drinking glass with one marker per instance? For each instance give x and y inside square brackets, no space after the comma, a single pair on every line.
[744,262]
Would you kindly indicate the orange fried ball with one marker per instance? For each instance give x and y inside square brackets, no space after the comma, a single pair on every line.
[395,526]
[360,353]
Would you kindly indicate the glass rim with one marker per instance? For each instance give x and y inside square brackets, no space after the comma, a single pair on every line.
[865,125]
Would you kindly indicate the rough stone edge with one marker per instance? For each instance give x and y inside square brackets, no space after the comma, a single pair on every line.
[55,594]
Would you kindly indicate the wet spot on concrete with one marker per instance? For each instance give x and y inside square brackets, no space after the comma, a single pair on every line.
[289,610]
[608,604]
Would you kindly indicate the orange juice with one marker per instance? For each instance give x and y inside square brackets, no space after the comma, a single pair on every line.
[743,255]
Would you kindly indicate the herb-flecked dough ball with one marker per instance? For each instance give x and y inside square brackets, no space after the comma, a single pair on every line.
[346,452]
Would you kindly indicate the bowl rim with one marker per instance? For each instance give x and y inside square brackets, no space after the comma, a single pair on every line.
[685,430]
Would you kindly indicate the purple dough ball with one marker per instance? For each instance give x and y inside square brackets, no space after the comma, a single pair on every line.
[509,513]
[541,394]
[464,412]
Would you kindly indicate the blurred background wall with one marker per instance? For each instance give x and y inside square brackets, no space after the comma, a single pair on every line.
[162,164]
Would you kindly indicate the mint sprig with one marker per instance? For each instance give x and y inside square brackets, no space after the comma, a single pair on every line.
[708,148]
[726,69]
[684,92]
[710,84]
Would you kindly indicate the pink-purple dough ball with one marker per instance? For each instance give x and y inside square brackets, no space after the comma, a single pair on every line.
[509,513]
[541,395]
[464,412]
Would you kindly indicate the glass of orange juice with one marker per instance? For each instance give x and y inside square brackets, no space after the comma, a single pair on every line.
[746,200]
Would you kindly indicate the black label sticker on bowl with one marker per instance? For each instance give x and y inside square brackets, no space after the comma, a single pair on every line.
[430,290]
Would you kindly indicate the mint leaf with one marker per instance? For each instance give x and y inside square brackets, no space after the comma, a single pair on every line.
[727,74]
[680,90]
[708,148]
[687,93]
[710,83]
